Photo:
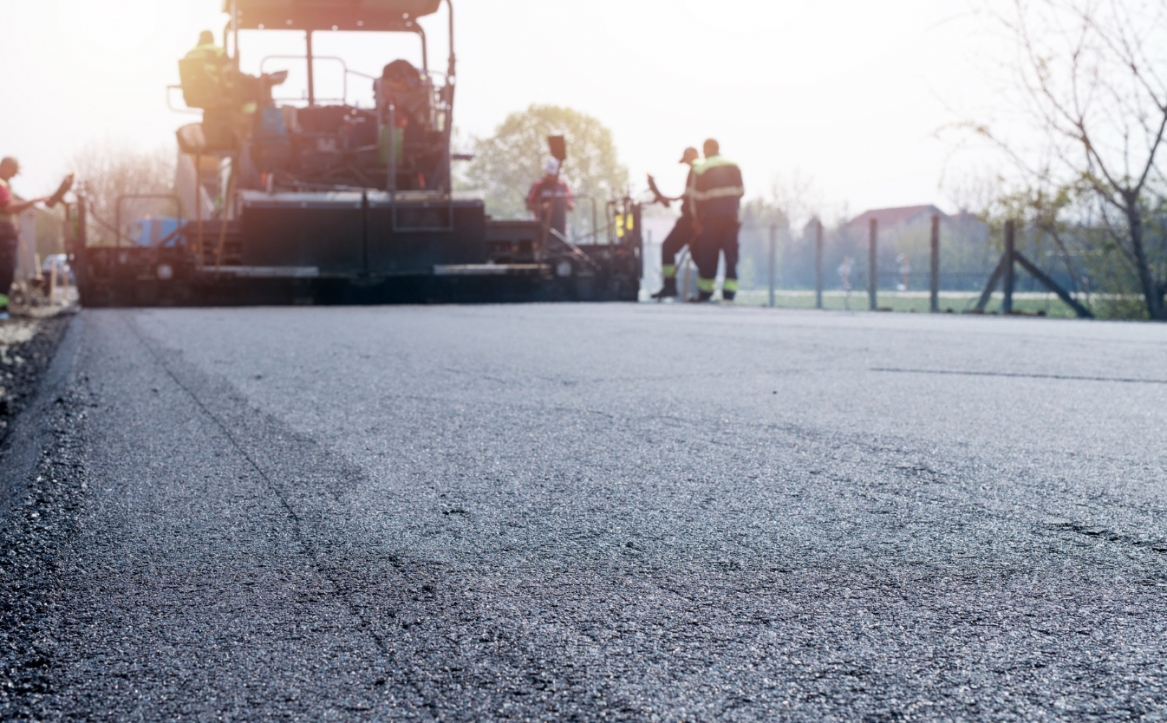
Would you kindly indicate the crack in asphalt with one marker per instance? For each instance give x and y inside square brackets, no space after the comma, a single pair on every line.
[1019,375]
[1102,533]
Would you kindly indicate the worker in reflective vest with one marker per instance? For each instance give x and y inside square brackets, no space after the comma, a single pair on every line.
[717,190]
[208,50]
[216,79]
[10,210]
[682,235]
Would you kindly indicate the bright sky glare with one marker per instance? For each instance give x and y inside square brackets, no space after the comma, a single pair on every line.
[848,92]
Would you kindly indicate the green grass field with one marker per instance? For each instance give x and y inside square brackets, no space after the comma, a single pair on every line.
[910,302]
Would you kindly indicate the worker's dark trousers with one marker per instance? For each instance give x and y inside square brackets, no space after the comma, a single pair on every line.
[718,237]
[8,244]
[681,236]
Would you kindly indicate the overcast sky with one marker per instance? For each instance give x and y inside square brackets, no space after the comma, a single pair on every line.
[847,92]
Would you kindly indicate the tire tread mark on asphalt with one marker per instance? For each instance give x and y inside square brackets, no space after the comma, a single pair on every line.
[1018,375]
[275,489]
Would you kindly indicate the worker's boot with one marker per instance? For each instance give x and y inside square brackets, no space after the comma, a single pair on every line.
[668,291]
[729,290]
[703,297]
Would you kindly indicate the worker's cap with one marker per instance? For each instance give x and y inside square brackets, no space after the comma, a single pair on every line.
[551,167]
[690,155]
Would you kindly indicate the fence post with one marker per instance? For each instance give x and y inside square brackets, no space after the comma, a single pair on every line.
[1010,261]
[773,260]
[818,264]
[873,267]
[935,304]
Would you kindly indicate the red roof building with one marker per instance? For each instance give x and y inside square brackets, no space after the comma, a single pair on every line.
[892,218]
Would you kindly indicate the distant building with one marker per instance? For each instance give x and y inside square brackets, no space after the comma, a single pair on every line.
[967,256]
[892,219]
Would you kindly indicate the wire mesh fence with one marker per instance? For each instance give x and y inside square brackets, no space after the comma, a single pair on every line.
[781,268]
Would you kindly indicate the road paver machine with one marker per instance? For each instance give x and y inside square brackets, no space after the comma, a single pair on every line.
[320,201]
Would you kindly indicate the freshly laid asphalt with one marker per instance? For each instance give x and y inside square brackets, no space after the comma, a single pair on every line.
[594,512]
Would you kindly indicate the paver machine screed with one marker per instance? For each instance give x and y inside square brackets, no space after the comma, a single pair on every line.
[320,201]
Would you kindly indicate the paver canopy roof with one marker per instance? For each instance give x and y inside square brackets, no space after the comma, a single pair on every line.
[327,14]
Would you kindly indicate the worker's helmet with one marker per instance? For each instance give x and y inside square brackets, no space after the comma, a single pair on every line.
[551,167]
[206,38]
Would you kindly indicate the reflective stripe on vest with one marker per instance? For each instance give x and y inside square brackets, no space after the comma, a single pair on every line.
[213,50]
[711,163]
[727,192]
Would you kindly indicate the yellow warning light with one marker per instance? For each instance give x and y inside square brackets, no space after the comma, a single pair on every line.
[625,224]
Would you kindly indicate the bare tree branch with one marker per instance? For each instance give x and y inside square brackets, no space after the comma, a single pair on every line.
[1089,76]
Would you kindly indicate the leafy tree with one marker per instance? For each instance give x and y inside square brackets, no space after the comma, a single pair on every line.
[507,163]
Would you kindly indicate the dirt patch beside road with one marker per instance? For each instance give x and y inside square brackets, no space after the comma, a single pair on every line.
[26,348]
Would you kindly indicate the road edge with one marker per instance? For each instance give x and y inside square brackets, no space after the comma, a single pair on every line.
[41,473]
[30,436]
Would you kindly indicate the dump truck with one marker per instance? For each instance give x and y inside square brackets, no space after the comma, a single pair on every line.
[315,200]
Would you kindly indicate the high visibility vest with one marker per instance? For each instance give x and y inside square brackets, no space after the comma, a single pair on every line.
[216,65]
[717,187]
[209,51]
[4,217]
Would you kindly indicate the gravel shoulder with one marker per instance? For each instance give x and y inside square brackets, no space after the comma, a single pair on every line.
[27,346]
[39,497]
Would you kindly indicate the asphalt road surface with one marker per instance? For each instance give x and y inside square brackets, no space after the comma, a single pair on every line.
[595,512]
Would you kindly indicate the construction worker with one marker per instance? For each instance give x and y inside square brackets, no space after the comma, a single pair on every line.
[717,190]
[208,49]
[551,195]
[682,235]
[10,210]
[213,86]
